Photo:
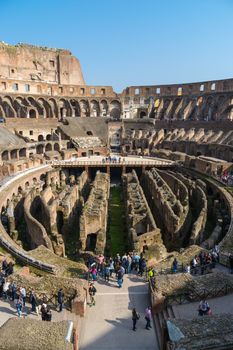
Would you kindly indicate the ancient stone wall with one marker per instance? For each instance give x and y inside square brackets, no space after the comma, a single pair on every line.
[168,211]
[142,229]
[93,220]
[40,64]
[36,231]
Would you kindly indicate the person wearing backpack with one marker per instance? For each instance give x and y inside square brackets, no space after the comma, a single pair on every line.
[92,290]
[135,318]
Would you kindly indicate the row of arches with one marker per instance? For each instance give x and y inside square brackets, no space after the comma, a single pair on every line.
[202,108]
[17,154]
[41,107]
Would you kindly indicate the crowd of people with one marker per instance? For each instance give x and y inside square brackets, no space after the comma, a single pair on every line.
[112,159]
[10,291]
[118,266]
[198,263]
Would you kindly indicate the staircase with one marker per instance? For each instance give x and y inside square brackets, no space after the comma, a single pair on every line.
[160,319]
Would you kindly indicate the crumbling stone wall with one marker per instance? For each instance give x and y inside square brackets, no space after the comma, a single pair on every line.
[142,229]
[94,216]
[36,231]
[168,211]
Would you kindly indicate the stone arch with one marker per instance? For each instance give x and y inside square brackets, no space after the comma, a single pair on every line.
[104,108]
[32,113]
[39,149]
[37,105]
[65,109]
[56,147]
[41,138]
[20,190]
[48,147]
[22,152]
[94,108]
[8,109]
[14,154]
[20,105]
[5,155]
[115,109]
[75,108]
[46,108]
[49,137]
[85,108]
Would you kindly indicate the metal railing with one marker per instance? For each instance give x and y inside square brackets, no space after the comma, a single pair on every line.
[101,163]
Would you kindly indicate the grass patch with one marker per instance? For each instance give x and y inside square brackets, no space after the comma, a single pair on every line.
[116,227]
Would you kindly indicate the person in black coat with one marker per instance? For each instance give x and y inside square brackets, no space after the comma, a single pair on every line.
[60,299]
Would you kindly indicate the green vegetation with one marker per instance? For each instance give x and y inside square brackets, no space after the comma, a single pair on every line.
[117,241]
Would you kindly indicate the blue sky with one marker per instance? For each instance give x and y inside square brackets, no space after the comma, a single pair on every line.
[130,42]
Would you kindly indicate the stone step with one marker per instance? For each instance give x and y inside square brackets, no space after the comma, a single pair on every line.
[171,312]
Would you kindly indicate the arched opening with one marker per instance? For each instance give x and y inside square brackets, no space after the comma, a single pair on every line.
[56,147]
[5,155]
[91,242]
[39,149]
[104,108]
[115,109]
[32,113]
[22,152]
[95,108]
[14,154]
[48,147]
[49,137]
[40,138]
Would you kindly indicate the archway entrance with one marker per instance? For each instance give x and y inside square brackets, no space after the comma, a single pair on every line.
[91,242]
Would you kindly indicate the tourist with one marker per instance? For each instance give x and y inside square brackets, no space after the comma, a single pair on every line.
[119,278]
[203,308]
[6,290]
[13,288]
[10,269]
[33,301]
[231,262]
[111,266]
[22,293]
[187,268]
[4,265]
[135,318]
[43,311]
[2,281]
[142,268]
[93,271]
[107,273]
[148,317]
[60,299]
[48,314]
[92,290]
[129,259]
[174,265]
[150,273]
[19,306]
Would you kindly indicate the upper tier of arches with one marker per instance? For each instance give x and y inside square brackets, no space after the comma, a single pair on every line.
[17,106]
